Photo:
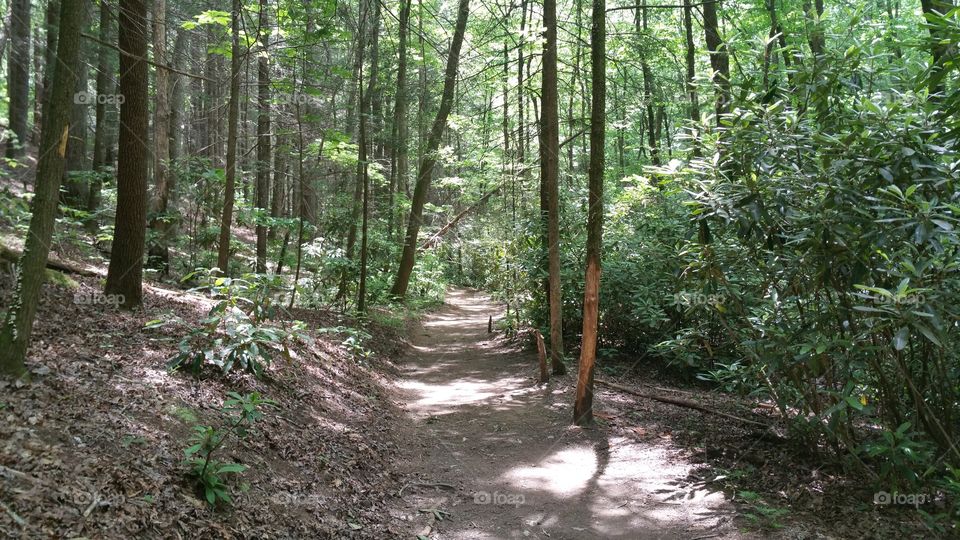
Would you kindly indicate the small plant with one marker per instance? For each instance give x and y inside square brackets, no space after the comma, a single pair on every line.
[207,440]
[761,514]
[236,332]
[902,456]
[354,342]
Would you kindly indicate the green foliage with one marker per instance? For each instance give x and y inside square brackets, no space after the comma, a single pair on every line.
[236,332]
[353,340]
[211,474]
[901,454]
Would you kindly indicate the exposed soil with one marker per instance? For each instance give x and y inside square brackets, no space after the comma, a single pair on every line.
[496,453]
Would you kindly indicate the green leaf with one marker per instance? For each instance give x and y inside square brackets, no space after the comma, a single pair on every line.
[231,468]
[854,402]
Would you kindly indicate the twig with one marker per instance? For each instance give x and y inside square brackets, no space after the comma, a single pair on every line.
[13,515]
[425,484]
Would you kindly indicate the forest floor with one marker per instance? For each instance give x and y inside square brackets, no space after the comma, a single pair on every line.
[448,437]
[491,454]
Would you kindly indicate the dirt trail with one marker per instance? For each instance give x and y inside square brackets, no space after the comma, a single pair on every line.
[498,452]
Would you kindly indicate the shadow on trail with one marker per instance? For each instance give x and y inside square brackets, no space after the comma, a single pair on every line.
[517,466]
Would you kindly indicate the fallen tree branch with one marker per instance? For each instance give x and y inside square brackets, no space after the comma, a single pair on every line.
[13,256]
[680,403]
[432,241]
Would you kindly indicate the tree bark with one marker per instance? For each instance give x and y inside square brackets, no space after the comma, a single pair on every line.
[719,60]
[400,128]
[161,141]
[263,138]
[691,63]
[233,117]
[74,192]
[125,274]
[652,135]
[429,158]
[363,179]
[18,76]
[583,404]
[18,326]
[100,134]
[549,177]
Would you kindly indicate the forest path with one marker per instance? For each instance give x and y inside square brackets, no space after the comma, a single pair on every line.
[498,452]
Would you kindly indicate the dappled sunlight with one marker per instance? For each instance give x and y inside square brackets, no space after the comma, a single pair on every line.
[455,393]
[564,473]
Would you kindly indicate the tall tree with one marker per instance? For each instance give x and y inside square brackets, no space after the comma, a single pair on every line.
[429,158]
[583,404]
[814,12]
[719,60]
[549,176]
[691,63]
[18,75]
[399,161]
[640,22]
[101,130]
[233,119]
[18,326]
[263,137]
[161,139]
[366,98]
[125,274]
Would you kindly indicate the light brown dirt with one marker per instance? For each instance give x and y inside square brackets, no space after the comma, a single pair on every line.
[495,453]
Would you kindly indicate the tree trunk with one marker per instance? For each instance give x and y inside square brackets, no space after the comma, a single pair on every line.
[816,38]
[399,159]
[550,176]
[641,24]
[263,139]
[18,76]
[365,180]
[362,178]
[691,61]
[719,59]
[125,274]
[223,252]
[159,250]
[100,134]
[583,404]
[16,330]
[74,192]
[362,108]
[429,158]
[43,64]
